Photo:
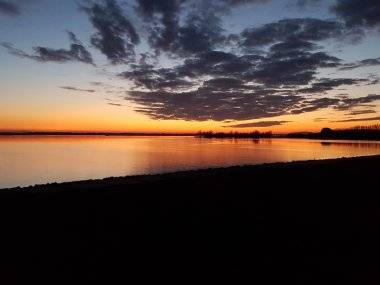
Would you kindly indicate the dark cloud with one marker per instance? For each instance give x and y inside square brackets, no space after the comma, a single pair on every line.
[217,63]
[77,52]
[292,62]
[222,86]
[199,35]
[362,63]
[262,124]
[362,112]
[202,105]
[115,36]
[358,13]
[373,79]
[165,11]
[14,7]
[292,69]
[115,104]
[199,32]
[240,2]
[312,105]
[12,50]
[359,120]
[246,84]
[295,68]
[302,29]
[186,75]
[203,30]
[186,27]
[70,88]
[73,38]
[349,103]
[305,3]
[155,79]
[9,8]
[326,84]
[225,84]
[291,45]
[96,83]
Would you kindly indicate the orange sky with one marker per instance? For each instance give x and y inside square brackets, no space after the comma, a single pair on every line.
[120,119]
[54,109]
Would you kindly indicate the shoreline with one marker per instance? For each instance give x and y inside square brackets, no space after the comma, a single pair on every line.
[309,222]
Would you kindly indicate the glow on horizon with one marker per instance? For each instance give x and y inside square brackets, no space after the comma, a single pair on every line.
[68,111]
[118,121]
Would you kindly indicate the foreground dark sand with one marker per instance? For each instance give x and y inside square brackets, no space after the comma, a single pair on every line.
[304,223]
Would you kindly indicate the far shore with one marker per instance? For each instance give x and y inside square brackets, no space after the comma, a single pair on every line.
[356,133]
[310,222]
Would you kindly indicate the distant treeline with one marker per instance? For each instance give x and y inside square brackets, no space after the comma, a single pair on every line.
[250,135]
[356,133]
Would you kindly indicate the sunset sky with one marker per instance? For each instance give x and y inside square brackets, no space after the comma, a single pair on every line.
[189,65]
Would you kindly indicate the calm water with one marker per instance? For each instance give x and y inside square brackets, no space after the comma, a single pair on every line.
[35,160]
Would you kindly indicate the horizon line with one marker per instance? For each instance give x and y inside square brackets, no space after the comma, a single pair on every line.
[131,133]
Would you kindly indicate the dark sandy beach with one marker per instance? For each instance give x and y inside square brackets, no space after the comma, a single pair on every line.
[310,222]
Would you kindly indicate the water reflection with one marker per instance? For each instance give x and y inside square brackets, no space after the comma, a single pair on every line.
[34,160]
[356,144]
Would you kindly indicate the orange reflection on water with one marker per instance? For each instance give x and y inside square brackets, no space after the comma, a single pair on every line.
[35,160]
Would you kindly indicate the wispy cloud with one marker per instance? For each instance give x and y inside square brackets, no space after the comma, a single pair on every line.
[77,52]
[9,8]
[358,13]
[115,104]
[262,124]
[115,35]
[359,120]
[361,63]
[361,112]
[70,88]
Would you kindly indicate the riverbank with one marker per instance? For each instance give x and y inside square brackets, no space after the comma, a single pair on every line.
[304,222]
